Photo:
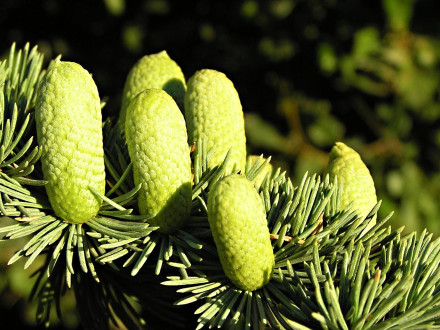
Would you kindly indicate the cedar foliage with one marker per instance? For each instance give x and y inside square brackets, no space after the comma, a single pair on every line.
[329,272]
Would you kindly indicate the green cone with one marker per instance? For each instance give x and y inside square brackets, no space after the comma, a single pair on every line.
[213,111]
[238,223]
[157,143]
[353,174]
[155,71]
[69,130]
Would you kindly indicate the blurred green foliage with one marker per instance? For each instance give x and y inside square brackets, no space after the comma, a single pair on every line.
[309,73]
[16,287]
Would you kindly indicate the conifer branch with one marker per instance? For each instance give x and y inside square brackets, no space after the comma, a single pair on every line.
[333,268]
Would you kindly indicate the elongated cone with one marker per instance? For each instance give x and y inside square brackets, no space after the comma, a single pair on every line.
[154,71]
[238,223]
[69,131]
[213,111]
[157,144]
[358,185]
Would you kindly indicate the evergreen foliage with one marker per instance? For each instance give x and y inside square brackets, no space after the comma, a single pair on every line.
[333,268]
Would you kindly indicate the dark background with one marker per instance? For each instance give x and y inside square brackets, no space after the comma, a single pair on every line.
[308,72]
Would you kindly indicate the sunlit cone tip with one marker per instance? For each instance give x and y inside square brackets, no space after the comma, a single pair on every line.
[153,71]
[341,149]
[358,186]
